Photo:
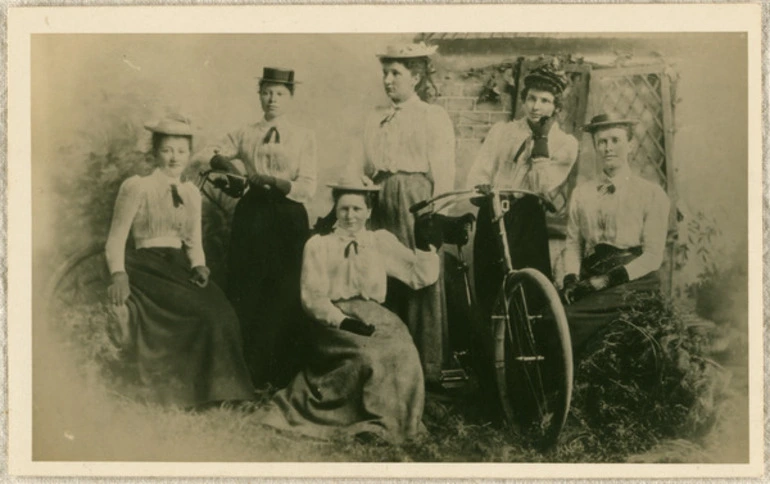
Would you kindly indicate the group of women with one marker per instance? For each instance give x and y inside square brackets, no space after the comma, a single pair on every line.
[348,322]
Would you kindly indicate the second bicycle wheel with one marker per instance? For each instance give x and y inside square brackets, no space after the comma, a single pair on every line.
[533,356]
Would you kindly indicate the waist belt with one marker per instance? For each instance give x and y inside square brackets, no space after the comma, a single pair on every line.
[607,257]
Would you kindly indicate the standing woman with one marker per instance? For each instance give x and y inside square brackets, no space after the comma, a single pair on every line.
[409,151]
[185,333]
[269,229]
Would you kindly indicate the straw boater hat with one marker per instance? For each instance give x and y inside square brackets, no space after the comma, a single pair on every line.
[407,51]
[172,126]
[604,120]
[351,183]
[278,76]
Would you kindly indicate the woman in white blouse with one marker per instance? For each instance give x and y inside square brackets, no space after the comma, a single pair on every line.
[185,334]
[616,234]
[269,229]
[409,149]
[364,375]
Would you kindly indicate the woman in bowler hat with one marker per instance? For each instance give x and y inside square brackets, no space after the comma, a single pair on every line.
[269,229]
[181,329]
[616,234]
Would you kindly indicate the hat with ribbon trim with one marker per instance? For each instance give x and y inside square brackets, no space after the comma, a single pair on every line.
[605,120]
[172,126]
[407,51]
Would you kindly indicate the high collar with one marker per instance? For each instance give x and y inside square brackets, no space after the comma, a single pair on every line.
[620,178]
[414,100]
[347,235]
[524,124]
[163,178]
[279,122]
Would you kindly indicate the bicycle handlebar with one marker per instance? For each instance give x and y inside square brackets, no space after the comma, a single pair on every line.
[474,192]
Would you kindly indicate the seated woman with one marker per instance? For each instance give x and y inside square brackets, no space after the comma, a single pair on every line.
[364,374]
[616,235]
[184,332]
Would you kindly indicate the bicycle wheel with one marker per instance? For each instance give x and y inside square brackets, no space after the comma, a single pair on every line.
[533,356]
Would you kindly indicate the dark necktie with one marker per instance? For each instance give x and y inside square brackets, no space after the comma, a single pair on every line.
[606,188]
[352,244]
[177,199]
[273,131]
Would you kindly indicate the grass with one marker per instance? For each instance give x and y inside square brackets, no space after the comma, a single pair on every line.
[615,417]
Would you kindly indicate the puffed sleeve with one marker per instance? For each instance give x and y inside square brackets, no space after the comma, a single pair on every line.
[548,174]
[304,185]
[193,241]
[573,250]
[486,163]
[415,268]
[230,145]
[314,284]
[441,149]
[126,205]
[653,236]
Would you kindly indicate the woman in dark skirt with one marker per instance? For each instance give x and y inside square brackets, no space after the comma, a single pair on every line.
[185,333]
[363,376]
[616,235]
[269,229]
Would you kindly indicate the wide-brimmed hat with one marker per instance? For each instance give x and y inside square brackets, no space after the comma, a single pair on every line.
[172,126]
[351,183]
[278,76]
[407,51]
[607,120]
[548,74]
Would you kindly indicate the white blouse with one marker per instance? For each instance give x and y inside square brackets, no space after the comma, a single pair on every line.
[290,153]
[635,213]
[145,208]
[329,275]
[495,163]
[412,137]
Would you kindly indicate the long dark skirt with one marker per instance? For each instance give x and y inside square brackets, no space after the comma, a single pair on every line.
[188,344]
[354,383]
[422,310]
[527,242]
[589,316]
[269,232]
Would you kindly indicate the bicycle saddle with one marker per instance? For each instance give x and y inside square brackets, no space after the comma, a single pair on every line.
[454,230]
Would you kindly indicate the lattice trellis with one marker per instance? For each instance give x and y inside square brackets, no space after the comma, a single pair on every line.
[639,94]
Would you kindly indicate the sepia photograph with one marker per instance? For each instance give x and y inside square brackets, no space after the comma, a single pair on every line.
[430,245]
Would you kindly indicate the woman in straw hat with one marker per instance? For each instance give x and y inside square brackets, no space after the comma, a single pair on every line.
[409,150]
[530,153]
[364,375]
[616,234]
[270,226]
[183,331]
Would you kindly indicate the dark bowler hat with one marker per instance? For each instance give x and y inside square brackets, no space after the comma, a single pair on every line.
[604,120]
[548,75]
[278,76]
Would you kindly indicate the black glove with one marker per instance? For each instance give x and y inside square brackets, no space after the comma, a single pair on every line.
[617,276]
[220,163]
[568,288]
[357,326]
[540,135]
[232,185]
[427,232]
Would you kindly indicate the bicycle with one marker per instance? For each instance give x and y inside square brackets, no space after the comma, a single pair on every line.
[527,329]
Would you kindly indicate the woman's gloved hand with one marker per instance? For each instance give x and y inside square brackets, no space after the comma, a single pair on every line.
[357,326]
[540,132]
[260,180]
[200,276]
[119,290]
[427,232]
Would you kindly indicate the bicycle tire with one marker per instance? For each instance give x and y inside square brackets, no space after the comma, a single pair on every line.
[82,278]
[533,357]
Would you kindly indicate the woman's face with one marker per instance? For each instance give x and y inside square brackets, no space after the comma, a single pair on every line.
[274,98]
[539,104]
[399,82]
[613,146]
[352,212]
[173,155]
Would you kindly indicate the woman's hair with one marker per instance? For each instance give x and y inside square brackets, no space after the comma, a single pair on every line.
[418,66]
[337,193]
[267,82]
[157,139]
[558,95]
